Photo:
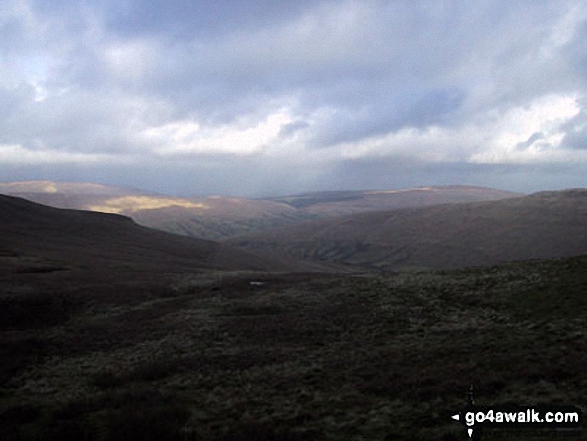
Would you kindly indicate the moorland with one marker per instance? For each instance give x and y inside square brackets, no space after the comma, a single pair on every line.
[110,330]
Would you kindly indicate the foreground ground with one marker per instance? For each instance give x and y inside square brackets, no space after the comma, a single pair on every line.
[90,354]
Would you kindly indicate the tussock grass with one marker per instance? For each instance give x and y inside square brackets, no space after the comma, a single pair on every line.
[317,357]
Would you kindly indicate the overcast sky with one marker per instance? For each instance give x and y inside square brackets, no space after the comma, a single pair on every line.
[263,97]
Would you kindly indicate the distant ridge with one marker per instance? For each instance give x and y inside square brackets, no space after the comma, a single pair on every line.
[347,202]
[52,187]
[543,225]
[221,217]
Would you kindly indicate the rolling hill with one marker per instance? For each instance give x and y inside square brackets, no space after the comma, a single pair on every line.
[65,188]
[335,203]
[113,331]
[542,225]
[57,238]
[217,217]
[206,217]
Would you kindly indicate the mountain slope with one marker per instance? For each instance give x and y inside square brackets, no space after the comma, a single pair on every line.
[332,203]
[217,217]
[543,225]
[65,188]
[72,237]
[206,217]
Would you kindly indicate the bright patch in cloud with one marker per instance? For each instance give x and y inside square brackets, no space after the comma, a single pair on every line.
[189,137]
[530,134]
[522,134]
[433,143]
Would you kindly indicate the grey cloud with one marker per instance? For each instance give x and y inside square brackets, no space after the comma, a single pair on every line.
[393,60]
[531,140]
[575,130]
[575,55]
[257,177]
[11,103]
[291,128]
[217,74]
[389,112]
[75,122]
[576,135]
[576,140]
[405,172]
[375,67]
[201,19]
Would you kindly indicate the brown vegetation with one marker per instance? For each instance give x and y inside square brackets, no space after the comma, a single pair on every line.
[542,225]
[111,331]
[216,217]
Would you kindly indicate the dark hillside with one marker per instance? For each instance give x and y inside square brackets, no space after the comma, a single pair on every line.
[75,237]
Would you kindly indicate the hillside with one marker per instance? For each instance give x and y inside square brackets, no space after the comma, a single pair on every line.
[206,217]
[113,331]
[65,188]
[219,217]
[294,357]
[542,225]
[81,238]
[334,203]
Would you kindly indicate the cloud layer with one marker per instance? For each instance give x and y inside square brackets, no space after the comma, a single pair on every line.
[263,97]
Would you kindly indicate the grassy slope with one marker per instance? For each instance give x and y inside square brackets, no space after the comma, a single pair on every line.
[217,217]
[543,225]
[81,238]
[104,356]
[331,203]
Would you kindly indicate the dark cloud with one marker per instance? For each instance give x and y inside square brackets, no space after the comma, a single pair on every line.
[187,19]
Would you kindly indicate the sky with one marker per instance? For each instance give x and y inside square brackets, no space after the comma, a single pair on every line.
[257,98]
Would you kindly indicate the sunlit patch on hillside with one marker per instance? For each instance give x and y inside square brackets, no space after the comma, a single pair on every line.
[50,188]
[131,204]
[25,186]
[53,187]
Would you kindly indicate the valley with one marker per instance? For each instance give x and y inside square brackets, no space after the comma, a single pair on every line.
[112,331]
[221,217]
[541,225]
